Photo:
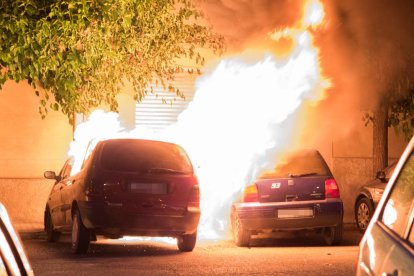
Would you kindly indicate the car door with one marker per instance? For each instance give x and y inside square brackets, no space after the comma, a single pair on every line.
[55,198]
[66,193]
[397,219]
[400,260]
[387,248]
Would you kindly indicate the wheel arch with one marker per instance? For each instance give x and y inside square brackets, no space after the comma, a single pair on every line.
[361,196]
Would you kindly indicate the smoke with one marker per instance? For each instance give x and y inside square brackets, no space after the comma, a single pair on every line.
[367,47]
[366,50]
[245,23]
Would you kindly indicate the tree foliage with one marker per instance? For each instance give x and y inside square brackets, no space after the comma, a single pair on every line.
[84,51]
[401,115]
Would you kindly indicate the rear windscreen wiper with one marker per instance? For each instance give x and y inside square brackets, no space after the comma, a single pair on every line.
[302,174]
[164,170]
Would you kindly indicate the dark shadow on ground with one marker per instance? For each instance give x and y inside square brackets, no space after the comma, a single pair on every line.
[105,248]
[307,239]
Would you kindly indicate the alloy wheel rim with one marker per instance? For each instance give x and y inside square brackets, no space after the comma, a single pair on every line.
[363,216]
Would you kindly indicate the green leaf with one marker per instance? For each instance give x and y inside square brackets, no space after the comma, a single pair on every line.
[82,51]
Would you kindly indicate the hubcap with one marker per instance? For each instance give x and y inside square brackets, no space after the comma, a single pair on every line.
[363,216]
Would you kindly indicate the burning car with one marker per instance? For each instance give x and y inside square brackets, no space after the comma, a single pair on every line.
[300,193]
[125,187]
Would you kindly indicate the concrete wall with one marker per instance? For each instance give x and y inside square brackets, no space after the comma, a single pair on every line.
[30,145]
[352,162]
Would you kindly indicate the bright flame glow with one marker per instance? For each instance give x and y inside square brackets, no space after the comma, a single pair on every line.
[241,116]
[100,125]
[314,13]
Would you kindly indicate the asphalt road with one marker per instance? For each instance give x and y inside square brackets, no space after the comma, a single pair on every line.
[280,255]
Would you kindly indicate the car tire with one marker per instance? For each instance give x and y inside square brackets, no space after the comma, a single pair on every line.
[333,235]
[363,213]
[81,236]
[51,234]
[240,234]
[186,243]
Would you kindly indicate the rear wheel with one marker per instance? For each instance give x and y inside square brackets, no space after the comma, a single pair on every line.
[51,234]
[363,213]
[333,235]
[186,243]
[81,236]
[240,234]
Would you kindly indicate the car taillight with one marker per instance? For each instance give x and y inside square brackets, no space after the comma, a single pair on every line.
[194,200]
[251,194]
[331,188]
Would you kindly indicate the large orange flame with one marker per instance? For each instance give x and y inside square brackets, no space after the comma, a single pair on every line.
[242,114]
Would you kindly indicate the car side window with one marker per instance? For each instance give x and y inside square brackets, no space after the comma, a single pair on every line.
[398,205]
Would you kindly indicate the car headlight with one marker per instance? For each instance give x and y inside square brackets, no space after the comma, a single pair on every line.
[376,196]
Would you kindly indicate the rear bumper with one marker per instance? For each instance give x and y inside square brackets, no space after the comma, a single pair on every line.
[264,216]
[112,220]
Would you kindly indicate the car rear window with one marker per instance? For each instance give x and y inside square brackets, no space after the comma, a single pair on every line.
[144,156]
[299,164]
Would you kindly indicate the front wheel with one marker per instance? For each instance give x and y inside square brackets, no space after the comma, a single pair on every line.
[363,213]
[51,234]
[240,234]
[81,236]
[333,235]
[186,243]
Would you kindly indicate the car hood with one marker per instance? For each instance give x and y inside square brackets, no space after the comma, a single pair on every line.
[375,185]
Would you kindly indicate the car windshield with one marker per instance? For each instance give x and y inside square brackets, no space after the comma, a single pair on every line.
[144,156]
[299,164]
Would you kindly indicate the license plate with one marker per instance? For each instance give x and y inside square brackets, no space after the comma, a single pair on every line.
[149,188]
[295,213]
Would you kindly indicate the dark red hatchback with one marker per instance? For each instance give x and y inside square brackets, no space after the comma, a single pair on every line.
[299,194]
[126,187]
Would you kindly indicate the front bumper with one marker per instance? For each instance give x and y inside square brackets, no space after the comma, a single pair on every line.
[113,220]
[264,216]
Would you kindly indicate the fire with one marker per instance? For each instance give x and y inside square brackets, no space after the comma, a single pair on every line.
[242,114]
[314,13]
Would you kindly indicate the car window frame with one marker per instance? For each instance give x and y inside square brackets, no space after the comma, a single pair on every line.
[409,223]
[410,230]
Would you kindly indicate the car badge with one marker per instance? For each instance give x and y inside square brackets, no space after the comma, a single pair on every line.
[275,185]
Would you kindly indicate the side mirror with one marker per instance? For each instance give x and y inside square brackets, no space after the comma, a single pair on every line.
[381,176]
[51,175]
